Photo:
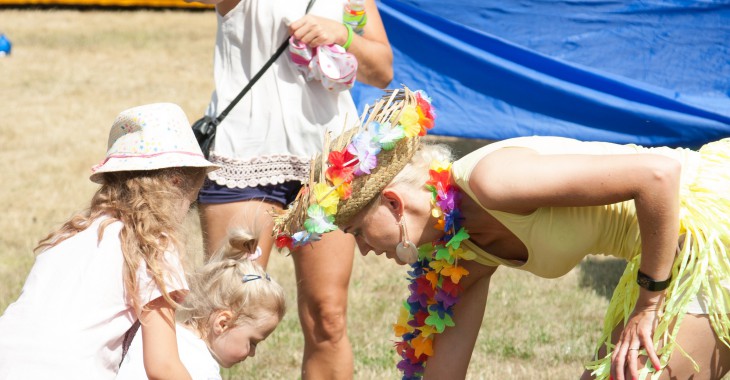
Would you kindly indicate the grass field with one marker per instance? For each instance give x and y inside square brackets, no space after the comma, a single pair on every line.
[69,75]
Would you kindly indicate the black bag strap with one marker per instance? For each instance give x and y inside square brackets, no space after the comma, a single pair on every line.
[128,336]
[259,74]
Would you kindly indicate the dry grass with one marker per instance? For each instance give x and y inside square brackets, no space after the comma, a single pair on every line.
[71,72]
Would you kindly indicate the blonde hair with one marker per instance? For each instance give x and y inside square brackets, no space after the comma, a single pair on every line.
[219,285]
[415,172]
[148,205]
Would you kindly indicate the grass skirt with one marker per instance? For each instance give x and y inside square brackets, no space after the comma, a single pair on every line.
[701,264]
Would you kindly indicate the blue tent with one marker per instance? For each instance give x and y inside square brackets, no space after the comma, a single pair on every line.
[651,72]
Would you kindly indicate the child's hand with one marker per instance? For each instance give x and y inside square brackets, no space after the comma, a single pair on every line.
[317,31]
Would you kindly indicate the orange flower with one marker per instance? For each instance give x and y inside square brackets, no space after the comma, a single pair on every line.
[422,345]
[425,114]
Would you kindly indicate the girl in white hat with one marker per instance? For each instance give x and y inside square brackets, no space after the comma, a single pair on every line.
[114,263]
[232,306]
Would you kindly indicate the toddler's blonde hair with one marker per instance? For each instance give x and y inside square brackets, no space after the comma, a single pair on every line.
[219,285]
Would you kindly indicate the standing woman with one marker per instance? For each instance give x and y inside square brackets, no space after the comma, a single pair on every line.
[539,204]
[264,145]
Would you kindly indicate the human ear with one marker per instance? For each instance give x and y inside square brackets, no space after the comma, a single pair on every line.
[393,201]
[221,321]
[176,180]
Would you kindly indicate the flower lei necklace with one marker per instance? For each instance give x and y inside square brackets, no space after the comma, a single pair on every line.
[434,278]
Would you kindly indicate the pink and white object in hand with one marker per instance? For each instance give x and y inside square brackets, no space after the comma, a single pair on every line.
[329,64]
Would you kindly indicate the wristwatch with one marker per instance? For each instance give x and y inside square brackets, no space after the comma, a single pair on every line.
[649,283]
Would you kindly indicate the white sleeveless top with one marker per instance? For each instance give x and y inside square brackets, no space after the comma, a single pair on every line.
[272,133]
[70,319]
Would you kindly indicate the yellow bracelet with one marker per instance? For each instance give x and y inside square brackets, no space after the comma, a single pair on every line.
[349,37]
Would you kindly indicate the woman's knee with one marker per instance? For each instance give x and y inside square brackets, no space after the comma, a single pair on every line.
[329,321]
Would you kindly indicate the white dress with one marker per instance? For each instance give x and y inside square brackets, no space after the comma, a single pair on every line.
[70,318]
[193,352]
[272,133]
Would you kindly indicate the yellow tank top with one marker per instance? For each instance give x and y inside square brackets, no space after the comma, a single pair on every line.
[558,238]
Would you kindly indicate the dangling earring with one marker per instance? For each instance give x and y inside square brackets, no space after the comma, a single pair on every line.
[406,251]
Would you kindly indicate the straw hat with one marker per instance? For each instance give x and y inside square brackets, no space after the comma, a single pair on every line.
[356,166]
[149,137]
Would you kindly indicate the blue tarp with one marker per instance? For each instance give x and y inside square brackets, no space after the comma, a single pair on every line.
[645,72]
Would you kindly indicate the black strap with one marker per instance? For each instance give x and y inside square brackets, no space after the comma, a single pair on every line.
[128,336]
[259,74]
[651,284]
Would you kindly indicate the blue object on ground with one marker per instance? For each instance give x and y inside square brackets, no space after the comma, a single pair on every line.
[5,45]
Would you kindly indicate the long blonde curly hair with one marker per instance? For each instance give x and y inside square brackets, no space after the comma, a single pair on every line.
[148,203]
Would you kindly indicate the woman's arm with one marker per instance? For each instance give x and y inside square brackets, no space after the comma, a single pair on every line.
[453,348]
[519,180]
[372,49]
[159,342]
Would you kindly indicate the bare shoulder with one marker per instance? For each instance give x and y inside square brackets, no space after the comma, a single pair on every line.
[493,176]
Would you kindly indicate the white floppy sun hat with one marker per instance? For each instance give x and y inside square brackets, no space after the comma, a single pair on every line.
[150,137]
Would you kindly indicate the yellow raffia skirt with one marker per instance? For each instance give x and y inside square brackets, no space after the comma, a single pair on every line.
[700,265]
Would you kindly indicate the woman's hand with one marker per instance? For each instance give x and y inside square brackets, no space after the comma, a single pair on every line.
[317,31]
[372,49]
[637,335]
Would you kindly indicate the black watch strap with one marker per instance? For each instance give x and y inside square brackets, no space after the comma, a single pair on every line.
[649,283]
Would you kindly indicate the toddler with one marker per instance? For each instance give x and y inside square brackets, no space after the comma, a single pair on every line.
[232,306]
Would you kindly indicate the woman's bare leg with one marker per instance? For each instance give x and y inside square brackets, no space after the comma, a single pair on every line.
[698,339]
[323,276]
[217,219]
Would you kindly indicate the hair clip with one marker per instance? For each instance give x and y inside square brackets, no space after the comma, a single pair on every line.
[251,277]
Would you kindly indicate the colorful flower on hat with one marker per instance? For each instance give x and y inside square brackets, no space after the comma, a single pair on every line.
[358,158]
[302,238]
[433,279]
[328,198]
[319,221]
[426,114]
[341,172]
[341,166]
[409,121]
[366,151]
[387,135]
[283,241]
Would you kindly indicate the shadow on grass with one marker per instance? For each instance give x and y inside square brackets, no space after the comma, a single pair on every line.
[601,274]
